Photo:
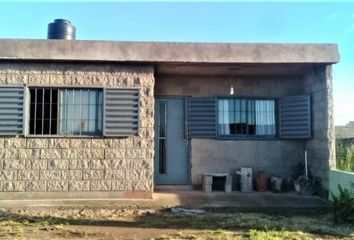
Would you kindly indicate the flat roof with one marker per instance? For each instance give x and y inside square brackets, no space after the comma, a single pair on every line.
[169,52]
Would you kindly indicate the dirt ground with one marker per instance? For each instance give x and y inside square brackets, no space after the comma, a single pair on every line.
[85,223]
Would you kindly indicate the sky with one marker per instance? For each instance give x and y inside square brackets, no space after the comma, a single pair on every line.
[237,22]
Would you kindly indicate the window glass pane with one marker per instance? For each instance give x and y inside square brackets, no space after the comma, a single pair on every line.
[93,97]
[237,105]
[232,123]
[39,95]
[92,112]
[100,111]
[85,96]
[47,96]
[99,126]
[85,111]
[92,126]
[54,111]
[162,118]
[251,123]
[220,117]
[77,126]
[32,110]
[226,118]
[39,111]
[85,116]
[70,110]
[77,113]
[100,98]
[265,117]
[32,126]
[84,126]
[231,104]
[245,117]
[47,110]
[77,96]
[68,96]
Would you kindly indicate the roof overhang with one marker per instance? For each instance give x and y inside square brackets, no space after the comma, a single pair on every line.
[167,52]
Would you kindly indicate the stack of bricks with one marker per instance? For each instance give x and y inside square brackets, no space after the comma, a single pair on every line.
[208,181]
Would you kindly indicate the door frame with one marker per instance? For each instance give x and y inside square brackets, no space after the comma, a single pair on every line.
[186,137]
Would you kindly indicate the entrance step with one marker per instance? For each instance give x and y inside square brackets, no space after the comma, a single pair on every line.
[173,187]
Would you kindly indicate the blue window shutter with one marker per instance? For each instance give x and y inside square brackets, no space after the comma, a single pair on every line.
[202,117]
[121,112]
[12,110]
[295,117]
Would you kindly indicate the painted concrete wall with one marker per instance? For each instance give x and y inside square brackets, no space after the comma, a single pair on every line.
[345,179]
[276,157]
[267,86]
[66,165]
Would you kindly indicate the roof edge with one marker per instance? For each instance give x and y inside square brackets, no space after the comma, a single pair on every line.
[157,52]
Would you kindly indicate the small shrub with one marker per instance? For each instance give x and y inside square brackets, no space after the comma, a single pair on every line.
[343,206]
[345,155]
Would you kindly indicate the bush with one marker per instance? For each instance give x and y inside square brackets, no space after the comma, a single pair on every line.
[345,155]
[343,206]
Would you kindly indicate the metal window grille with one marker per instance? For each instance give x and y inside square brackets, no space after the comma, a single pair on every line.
[246,117]
[43,111]
[66,111]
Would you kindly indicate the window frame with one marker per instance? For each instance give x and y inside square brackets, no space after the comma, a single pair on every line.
[247,136]
[27,102]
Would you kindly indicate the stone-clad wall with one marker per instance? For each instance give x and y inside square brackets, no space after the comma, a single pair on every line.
[321,147]
[80,164]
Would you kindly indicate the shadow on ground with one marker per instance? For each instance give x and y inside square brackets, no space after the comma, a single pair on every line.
[320,224]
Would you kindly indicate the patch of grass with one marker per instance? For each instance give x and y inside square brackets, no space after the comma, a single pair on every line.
[10,229]
[202,235]
[269,235]
[245,221]
[209,225]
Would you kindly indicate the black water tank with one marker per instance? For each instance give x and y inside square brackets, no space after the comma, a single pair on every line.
[61,29]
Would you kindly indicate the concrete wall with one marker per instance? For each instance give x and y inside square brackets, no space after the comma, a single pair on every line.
[321,148]
[67,165]
[345,179]
[274,156]
[267,86]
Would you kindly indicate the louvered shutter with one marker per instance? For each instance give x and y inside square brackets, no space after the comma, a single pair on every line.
[121,112]
[295,117]
[202,117]
[11,110]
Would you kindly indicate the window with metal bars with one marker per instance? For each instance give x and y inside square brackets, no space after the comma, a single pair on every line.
[246,117]
[66,111]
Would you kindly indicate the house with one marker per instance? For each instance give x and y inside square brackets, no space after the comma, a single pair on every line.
[345,132]
[104,119]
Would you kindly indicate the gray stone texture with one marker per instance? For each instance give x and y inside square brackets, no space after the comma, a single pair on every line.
[80,164]
[321,148]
